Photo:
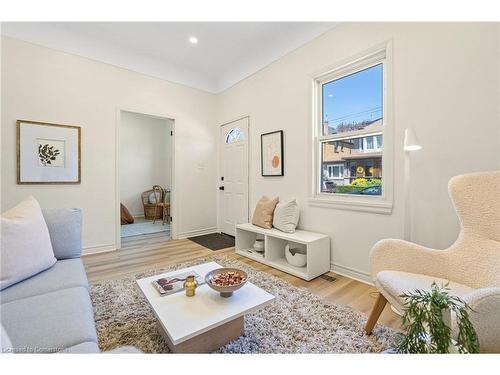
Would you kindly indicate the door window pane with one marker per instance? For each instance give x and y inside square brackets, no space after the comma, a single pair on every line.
[234,135]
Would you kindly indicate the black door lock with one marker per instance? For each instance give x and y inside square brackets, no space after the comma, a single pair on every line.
[221,187]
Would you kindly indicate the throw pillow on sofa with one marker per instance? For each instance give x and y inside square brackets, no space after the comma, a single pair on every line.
[286,216]
[64,226]
[264,210]
[25,247]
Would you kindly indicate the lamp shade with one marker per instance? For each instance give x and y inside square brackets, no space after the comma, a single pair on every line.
[411,142]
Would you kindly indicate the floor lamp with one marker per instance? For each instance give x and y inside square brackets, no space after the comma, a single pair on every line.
[411,144]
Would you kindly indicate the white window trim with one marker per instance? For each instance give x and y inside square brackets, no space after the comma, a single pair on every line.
[377,204]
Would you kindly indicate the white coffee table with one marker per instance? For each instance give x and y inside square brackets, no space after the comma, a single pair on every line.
[207,321]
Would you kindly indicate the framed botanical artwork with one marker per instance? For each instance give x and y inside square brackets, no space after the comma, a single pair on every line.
[48,153]
[271,153]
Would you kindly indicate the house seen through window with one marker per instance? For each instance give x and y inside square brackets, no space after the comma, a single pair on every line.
[351,137]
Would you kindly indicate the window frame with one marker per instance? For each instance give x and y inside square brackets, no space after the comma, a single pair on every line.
[381,54]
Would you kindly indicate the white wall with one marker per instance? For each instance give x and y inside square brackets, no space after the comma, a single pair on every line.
[144,157]
[51,86]
[445,82]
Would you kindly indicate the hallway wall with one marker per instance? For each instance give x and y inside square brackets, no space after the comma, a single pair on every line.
[144,157]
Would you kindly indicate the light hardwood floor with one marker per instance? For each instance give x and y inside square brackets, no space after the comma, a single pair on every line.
[154,251]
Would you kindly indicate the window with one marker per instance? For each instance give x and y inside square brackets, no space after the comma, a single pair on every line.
[350,131]
[352,108]
[335,171]
[234,135]
[369,143]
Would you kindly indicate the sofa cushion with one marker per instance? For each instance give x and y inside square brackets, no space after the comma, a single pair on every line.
[286,216]
[50,322]
[392,284]
[64,274]
[5,344]
[264,210]
[25,247]
[65,231]
[87,347]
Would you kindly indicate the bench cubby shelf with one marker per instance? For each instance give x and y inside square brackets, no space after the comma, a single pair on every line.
[317,247]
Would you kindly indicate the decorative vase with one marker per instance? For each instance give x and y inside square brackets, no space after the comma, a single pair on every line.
[296,257]
[258,245]
[190,286]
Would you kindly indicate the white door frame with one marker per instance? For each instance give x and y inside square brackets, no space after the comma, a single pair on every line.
[219,171]
[173,191]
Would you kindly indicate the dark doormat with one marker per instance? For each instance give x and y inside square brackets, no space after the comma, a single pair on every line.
[214,241]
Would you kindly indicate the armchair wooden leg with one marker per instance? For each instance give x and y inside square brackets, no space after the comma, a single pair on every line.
[375,314]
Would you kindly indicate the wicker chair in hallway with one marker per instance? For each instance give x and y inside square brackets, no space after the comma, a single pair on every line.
[156,202]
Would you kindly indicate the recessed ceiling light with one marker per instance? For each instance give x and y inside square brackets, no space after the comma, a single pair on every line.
[193,40]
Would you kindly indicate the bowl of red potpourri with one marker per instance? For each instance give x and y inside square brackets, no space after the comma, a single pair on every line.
[226,280]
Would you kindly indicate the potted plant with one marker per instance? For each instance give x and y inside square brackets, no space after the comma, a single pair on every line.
[426,320]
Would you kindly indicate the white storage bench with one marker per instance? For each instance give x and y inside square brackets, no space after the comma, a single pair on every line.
[317,246]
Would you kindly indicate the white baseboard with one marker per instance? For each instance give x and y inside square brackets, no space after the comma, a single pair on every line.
[87,250]
[352,273]
[197,232]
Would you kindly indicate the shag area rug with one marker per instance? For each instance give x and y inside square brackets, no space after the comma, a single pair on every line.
[295,322]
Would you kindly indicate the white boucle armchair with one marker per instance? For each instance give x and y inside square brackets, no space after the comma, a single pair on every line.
[471,265]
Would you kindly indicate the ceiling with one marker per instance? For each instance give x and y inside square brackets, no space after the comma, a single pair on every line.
[226,53]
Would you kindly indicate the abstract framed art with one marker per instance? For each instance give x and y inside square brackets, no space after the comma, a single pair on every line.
[48,153]
[271,153]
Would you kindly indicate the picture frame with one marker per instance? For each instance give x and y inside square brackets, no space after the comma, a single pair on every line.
[48,153]
[271,154]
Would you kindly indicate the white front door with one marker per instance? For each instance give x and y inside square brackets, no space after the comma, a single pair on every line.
[233,181]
